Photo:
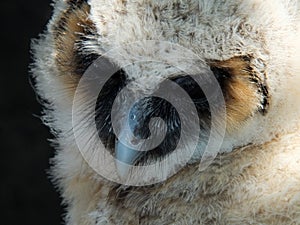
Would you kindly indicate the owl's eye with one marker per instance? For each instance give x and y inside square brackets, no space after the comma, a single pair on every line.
[191,87]
[195,91]
[221,74]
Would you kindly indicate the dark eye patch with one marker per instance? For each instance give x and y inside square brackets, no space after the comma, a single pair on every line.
[191,87]
[104,106]
[221,74]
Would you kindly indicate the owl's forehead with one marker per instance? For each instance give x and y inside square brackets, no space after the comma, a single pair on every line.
[213,29]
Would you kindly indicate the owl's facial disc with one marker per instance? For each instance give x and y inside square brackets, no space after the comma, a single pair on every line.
[241,77]
[140,116]
[232,80]
[167,131]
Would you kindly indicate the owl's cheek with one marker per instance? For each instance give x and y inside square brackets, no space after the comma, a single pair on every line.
[242,101]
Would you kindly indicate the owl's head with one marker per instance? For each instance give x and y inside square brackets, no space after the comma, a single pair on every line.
[246,51]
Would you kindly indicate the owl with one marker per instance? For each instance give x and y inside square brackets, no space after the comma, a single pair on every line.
[173,112]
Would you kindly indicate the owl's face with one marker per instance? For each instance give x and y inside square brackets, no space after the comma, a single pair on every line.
[249,48]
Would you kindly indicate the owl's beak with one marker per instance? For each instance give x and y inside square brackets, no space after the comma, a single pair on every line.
[128,148]
[126,157]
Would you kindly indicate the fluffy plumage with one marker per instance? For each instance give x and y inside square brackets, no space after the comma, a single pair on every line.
[256,177]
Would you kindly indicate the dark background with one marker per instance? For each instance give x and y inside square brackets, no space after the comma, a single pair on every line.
[27,195]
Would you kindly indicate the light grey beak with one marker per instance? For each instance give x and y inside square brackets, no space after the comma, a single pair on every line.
[126,157]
